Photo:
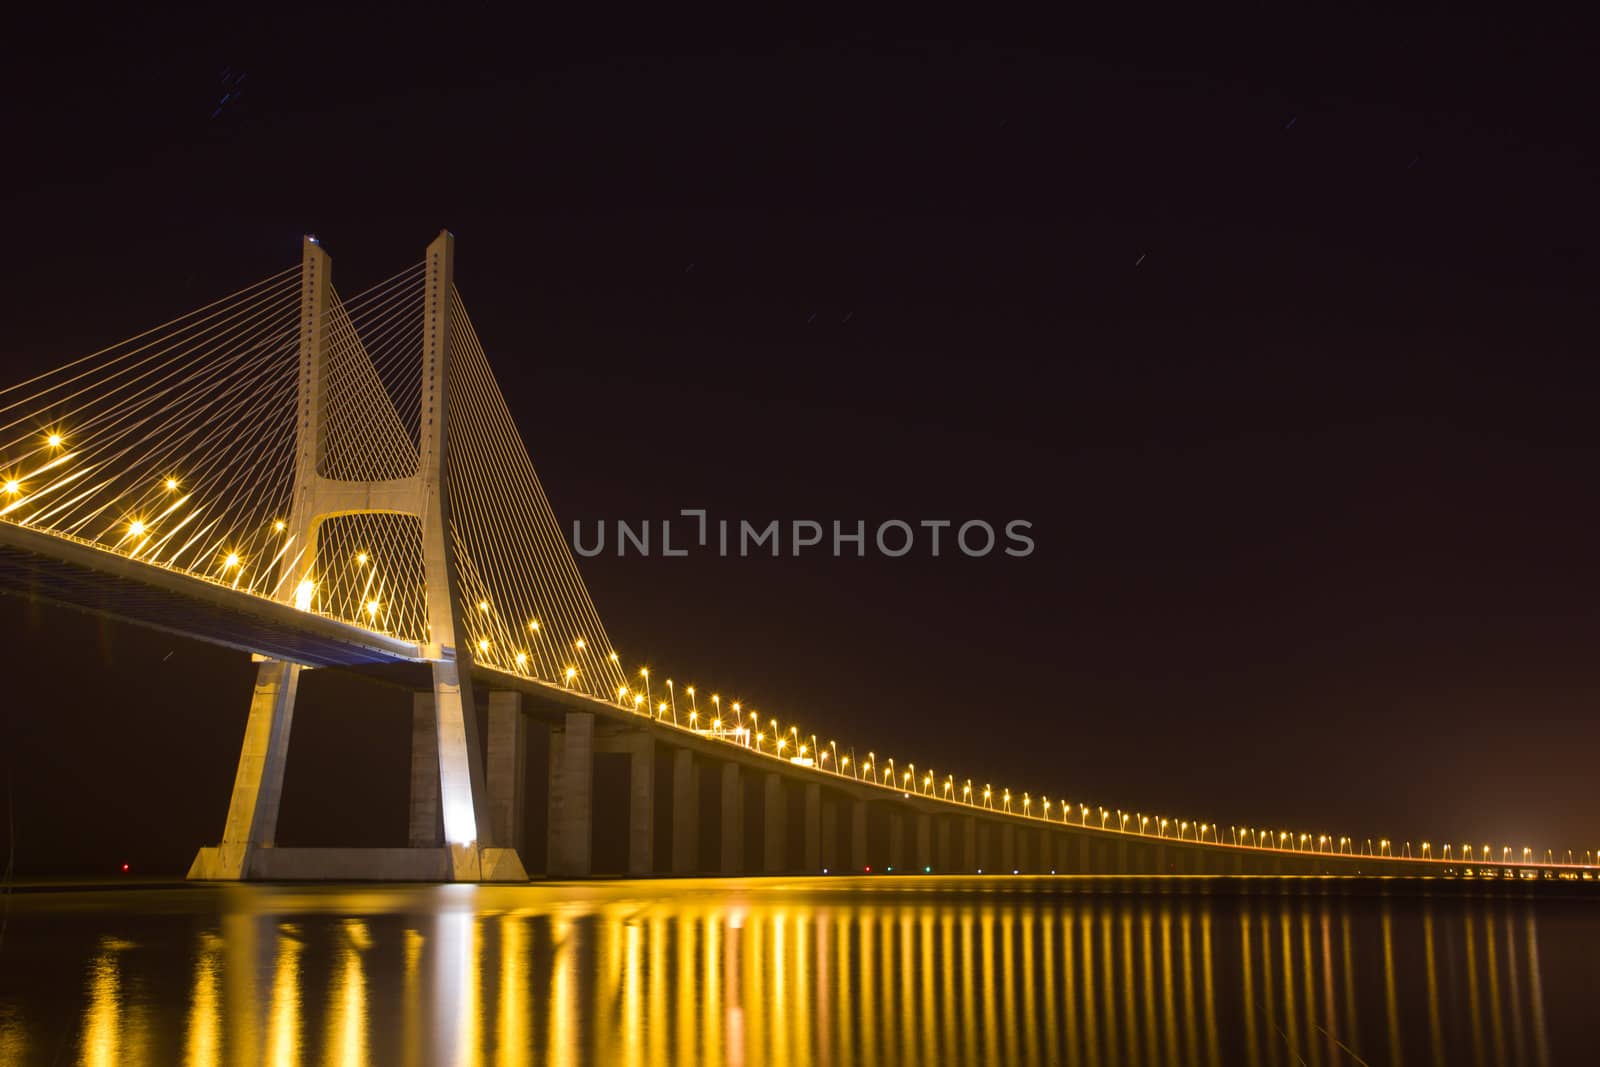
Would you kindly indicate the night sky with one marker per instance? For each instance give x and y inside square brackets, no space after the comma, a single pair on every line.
[1280,334]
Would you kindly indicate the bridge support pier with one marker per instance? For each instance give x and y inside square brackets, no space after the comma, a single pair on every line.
[426,822]
[969,844]
[507,767]
[830,836]
[924,843]
[258,783]
[732,855]
[572,797]
[685,813]
[640,748]
[813,827]
[775,820]
[1045,863]
[1008,848]
[858,836]
[897,841]
[941,845]
[641,804]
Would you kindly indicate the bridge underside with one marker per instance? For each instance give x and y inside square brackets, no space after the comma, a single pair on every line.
[90,579]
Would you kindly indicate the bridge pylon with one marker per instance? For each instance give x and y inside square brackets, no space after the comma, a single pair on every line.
[468,850]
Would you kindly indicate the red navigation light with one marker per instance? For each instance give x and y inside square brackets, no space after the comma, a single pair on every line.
[869,870]
[124,868]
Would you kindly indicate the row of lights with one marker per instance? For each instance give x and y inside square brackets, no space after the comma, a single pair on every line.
[789,743]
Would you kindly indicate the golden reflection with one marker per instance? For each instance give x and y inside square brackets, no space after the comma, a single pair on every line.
[1475,1005]
[658,927]
[242,970]
[1514,996]
[1130,1017]
[1536,990]
[1008,990]
[1492,965]
[1273,1042]
[562,1026]
[1352,1029]
[1291,1024]
[1252,1039]
[1435,1029]
[1169,1014]
[985,965]
[947,987]
[205,1022]
[925,968]
[1395,1054]
[113,1031]
[1052,1027]
[413,1043]
[1213,1042]
[1108,979]
[514,1034]
[711,1001]
[791,980]
[1091,1038]
[283,1013]
[347,999]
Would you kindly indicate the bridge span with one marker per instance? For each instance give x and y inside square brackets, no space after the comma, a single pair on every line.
[339,484]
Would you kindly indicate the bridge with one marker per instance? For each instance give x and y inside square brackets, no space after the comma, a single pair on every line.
[338,483]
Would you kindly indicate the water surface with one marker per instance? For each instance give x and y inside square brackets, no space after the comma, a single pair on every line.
[780,972]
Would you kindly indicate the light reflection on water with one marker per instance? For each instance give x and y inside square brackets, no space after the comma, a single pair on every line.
[781,973]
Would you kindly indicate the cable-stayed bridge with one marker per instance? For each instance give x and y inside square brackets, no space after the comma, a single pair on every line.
[329,481]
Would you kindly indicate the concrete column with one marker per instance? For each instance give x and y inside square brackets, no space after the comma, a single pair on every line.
[427,824]
[858,836]
[775,819]
[572,797]
[830,836]
[463,789]
[923,858]
[1008,848]
[1083,857]
[1045,861]
[1122,856]
[943,859]
[258,781]
[641,804]
[969,844]
[685,813]
[732,820]
[813,827]
[507,768]
[897,840]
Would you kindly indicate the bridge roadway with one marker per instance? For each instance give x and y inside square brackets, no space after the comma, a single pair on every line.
[762,813]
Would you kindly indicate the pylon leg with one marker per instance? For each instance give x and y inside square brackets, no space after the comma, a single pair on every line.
[258,782]
[462,793]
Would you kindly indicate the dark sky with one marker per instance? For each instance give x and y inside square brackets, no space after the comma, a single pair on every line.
[1280,334]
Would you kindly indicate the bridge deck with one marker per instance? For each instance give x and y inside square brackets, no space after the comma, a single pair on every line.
[78,575]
